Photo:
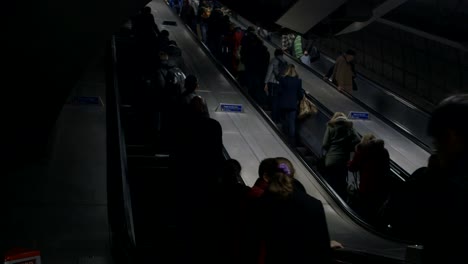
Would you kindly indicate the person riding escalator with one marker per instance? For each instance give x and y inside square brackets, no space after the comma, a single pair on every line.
[339,141]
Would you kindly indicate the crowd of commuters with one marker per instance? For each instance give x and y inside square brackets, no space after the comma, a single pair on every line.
[212,206]
[249,220]
[275,85]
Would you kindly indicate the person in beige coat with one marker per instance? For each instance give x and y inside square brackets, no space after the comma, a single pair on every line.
[343,72]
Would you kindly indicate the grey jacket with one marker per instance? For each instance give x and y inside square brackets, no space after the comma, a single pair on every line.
[273,70]
[339,141]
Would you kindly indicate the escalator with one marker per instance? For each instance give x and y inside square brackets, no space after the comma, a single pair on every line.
[311,141]
[148,168]
[400,114]
[309,150]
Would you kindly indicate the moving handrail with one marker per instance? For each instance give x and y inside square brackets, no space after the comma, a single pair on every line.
[119,200]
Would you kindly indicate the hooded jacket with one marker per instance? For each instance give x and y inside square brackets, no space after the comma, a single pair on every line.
[339,141]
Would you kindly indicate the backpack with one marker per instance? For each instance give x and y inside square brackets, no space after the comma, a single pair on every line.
[282,67]
[174,80]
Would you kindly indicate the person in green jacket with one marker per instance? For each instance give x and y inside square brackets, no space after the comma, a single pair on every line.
[298,51]
[339,141]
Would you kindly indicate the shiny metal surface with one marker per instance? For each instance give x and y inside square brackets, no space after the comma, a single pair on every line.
[249,139]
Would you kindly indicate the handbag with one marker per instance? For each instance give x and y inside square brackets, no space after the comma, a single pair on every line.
[306,108]
[353,190]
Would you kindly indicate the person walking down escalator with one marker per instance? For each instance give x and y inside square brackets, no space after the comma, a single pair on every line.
[290,93]
[339,141]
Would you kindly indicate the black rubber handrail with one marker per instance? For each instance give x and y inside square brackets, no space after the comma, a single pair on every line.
[119,201]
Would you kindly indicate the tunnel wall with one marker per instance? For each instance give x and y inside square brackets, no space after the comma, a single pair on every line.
[422,70]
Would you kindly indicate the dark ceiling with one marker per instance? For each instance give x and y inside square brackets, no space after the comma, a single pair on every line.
[261,12]
[444,18]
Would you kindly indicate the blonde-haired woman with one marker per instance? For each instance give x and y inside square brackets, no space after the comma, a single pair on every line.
[339,141]
[290,94]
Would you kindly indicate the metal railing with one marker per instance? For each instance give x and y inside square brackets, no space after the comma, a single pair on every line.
[118,192]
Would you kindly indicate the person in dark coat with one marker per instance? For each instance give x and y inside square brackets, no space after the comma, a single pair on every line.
[436,202]
[144,26]
[188,16]
[372,161]
[197,164]
[290,94]
[443,208]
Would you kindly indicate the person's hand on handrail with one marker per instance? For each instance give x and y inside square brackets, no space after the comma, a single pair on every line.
[335,245]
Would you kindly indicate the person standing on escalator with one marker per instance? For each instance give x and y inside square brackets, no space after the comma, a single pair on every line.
[372,161]
[339,141]
[187,14]
[284,225]
[440,204]
[290,94]
[275,71]
[343,71]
